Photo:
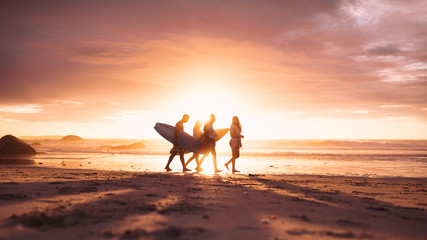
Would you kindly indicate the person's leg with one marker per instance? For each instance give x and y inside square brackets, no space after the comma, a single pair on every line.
[214,160]
[229,161]
[199,166]
[170,160]
[236,155]
[191,159]
[232,159]
[233,164]
[196,156]
[181,157]
[207,150]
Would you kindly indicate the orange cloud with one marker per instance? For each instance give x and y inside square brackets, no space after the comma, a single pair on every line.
[95,61]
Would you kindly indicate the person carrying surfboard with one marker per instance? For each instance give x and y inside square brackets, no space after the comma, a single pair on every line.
[209,133]
[235,142]
[197,134]
[177,150]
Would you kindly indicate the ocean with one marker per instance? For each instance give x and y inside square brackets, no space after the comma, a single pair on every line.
[365,158]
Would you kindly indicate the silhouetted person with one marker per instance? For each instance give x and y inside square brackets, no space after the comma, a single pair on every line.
[209,133]
[235,142]
[197,134]
[177,150]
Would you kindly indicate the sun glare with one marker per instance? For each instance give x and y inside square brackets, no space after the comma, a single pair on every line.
[207,166]
[206,92]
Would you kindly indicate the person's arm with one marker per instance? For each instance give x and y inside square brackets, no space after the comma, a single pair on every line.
[234,132]
[175,136]
[178,127]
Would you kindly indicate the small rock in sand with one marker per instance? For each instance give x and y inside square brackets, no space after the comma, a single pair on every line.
[299,232]
[135,233]
[171,232]
[265,221]
[345,222]
[303,218]
[339,234]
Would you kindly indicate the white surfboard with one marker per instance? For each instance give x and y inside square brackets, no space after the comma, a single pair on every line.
[185,140]
[219,133]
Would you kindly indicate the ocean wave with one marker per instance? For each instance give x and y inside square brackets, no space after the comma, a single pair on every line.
[419,145]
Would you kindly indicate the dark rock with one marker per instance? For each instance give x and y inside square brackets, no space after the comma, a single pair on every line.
[147,208]
[72,138]
[56,183]
[299,232]
[35,144]
[303,218]
[339,234]
[12,145]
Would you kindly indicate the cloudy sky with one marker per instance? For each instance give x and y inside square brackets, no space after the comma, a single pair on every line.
[288,69]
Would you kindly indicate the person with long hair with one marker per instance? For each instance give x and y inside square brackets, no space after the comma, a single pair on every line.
[209,134]
[176,149]
[235,143]
[197,134]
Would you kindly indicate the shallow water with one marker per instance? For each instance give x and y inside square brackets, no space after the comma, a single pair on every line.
[351,158]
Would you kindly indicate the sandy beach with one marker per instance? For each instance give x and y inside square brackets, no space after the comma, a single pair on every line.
[49,203]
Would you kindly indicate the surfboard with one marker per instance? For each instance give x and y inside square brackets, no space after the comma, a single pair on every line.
[185,140]
[219,133]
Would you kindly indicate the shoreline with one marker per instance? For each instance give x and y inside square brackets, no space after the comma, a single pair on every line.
[247,165]
[48,203]
[224,173]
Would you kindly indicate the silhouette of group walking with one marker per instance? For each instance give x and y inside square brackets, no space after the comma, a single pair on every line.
[208,143]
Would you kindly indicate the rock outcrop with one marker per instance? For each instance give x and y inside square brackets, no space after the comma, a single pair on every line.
[12,145]
[72,138]
[36,144]
[136,145]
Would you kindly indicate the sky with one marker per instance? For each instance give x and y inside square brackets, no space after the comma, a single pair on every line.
[302,69]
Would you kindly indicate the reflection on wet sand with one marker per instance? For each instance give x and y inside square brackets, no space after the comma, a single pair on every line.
[16,160]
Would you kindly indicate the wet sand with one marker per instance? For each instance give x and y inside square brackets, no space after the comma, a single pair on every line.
[47,203]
